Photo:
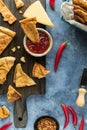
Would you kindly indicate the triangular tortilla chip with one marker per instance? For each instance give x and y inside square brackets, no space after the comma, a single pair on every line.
[19,3]
[39,71]
[6,36]
[4,112]
[21,79]
[6,64]
[29,28]
[6,13]
[12,94]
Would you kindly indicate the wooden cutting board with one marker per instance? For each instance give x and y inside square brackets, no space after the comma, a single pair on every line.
[20,109]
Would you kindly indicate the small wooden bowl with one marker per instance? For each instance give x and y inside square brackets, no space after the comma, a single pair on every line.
[46,117]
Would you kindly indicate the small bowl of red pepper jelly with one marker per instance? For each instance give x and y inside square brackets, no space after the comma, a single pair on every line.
[46,123]
[41,47]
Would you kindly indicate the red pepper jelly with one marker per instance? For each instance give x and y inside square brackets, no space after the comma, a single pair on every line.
[41,46]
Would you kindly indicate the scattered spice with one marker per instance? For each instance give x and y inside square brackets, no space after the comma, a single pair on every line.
[75,118]
[81,127]
[58,54]
[65,109]
[6,126]
[52,4]
[46,123]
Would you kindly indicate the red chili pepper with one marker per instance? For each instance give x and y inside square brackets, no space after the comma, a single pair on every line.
[75,118]
[52,3]
[65,109]
[58,54]
[81,127]
[6,126]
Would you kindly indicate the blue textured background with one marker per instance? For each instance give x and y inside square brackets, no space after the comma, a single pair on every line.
[61,87]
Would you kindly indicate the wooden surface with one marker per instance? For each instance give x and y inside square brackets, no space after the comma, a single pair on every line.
[20,111]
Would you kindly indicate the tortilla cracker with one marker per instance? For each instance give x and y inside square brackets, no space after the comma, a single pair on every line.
[79,19]
[12,94]
[39,71]
[6,13]
[6,36]
[4,112]
[21,79]
[79,7]
[81,14]
[81,3]
[19,3]
[29,27]
[6,64]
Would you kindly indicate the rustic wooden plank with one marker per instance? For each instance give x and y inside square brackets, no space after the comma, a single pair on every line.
[18,40]
[39,88]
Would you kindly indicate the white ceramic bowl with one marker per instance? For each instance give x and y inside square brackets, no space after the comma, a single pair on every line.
[41,54]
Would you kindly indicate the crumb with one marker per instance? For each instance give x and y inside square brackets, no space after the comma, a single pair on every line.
[22,59]
[18,47]
[20,11]
[13,49]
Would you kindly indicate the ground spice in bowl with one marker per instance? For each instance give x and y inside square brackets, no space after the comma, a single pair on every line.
[46,123]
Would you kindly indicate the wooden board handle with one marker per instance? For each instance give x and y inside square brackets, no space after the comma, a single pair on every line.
[20,113]
[81,97]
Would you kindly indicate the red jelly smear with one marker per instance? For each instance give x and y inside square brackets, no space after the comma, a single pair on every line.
[42,45]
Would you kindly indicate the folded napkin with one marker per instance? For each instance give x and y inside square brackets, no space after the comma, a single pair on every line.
[68,15]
